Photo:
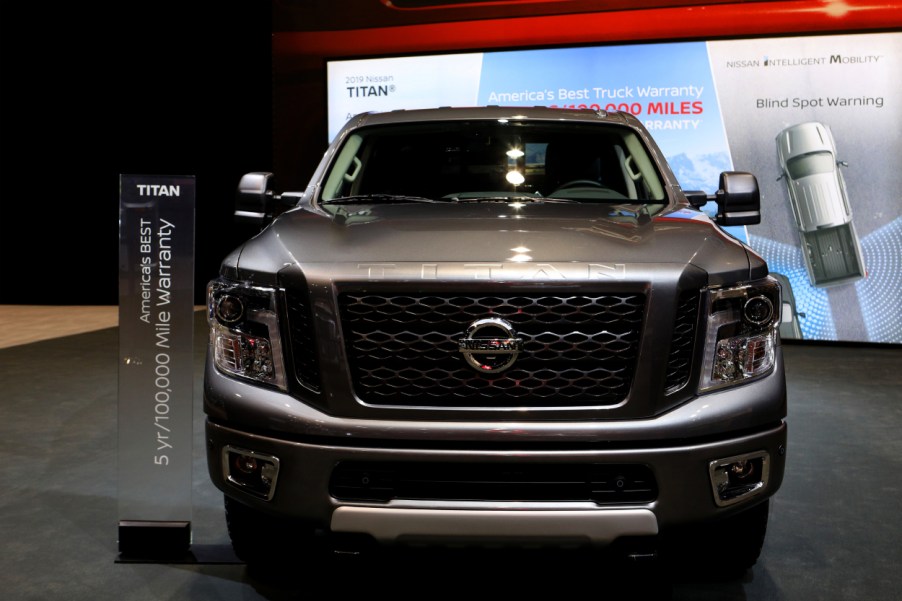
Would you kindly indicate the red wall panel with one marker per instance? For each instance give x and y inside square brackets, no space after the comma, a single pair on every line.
[705,22]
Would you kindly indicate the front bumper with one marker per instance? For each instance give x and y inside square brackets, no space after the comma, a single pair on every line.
[681,470]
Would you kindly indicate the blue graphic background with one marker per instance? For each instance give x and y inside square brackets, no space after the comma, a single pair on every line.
[878,293]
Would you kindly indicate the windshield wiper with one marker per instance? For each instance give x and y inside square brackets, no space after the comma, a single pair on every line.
[377,198]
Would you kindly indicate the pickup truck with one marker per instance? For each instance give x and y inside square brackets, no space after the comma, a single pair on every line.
[806,154]
[496,326]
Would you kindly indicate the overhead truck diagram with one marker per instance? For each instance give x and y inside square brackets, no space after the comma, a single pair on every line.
[817,193]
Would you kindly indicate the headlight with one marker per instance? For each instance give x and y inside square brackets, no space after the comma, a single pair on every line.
[244,332]
[742,333]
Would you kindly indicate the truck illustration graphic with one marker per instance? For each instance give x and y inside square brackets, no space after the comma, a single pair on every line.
[806,154]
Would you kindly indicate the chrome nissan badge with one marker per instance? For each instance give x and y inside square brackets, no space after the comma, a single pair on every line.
[490,345]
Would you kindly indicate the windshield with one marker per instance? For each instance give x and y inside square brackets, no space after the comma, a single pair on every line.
[810,164]
[484,161]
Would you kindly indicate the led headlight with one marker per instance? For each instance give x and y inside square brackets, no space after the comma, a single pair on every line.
[742,333]
[244,332]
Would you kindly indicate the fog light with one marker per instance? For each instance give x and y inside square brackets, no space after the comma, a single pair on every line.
[245,463]
[252,472]
[742,470]
[735,479]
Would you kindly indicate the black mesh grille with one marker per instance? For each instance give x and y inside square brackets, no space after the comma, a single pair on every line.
[577,350]
[679,365]
[598,483]
[303,343]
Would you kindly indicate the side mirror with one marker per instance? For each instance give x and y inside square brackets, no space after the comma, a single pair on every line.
[738,199]
[254,199]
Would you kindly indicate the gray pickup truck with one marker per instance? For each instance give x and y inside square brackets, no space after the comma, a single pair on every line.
[496,326]
[806,154]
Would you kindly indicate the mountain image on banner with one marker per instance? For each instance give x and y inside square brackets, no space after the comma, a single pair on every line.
[701,171]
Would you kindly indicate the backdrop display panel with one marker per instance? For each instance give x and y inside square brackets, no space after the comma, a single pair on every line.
[716,106]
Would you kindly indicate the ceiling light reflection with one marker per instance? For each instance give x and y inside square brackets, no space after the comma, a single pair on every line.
[515,177]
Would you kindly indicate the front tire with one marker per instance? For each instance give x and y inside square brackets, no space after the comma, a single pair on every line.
[265,541]
[725,549]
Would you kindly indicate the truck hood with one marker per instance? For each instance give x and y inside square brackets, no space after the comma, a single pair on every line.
[490,232]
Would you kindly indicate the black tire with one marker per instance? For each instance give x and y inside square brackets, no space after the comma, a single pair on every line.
[266,542]
[721,550]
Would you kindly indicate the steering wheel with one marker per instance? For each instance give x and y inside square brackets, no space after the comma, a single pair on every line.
[579,183]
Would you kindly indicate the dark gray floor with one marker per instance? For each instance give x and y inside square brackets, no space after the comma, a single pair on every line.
[834,532]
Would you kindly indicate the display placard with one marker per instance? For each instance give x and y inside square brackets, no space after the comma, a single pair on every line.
[156,380]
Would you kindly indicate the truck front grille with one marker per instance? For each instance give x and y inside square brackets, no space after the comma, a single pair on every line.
[303,342]
[679,364]
[602,484]
[577,350]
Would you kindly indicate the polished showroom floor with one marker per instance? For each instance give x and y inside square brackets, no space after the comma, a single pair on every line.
[834,532]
